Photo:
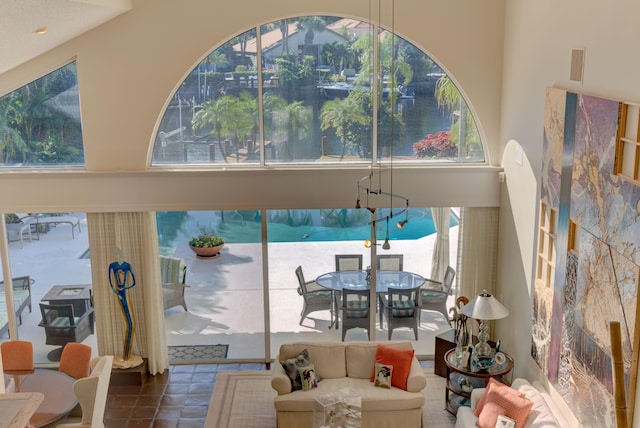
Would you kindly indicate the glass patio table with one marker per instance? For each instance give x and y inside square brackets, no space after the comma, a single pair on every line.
[360,280]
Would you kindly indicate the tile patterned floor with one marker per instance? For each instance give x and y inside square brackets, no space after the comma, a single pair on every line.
[178,398]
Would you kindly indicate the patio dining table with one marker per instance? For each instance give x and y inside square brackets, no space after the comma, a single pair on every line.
[360,280]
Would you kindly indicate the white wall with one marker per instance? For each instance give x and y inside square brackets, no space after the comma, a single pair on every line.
[539,37]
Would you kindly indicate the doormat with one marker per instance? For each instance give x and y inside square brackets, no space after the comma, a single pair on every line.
[197,353]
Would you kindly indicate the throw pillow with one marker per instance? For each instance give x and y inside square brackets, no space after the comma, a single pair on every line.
[400,359]
[383,375]
[498,385]
[308,377]
[501,401]
[291,366]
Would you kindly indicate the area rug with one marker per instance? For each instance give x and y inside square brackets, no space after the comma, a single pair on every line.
[244,399]
[197,353]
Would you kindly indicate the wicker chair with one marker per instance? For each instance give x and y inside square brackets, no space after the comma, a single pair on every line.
[316,298]
[433,294]
[355,310]
[62,325]
[401,308]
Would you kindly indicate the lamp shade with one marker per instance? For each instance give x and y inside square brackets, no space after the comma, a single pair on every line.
[485,307]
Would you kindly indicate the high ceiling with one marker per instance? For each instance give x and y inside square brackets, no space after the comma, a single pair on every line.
[64,20]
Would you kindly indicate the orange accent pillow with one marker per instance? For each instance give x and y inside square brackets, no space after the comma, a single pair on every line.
[400,359]
[501,401]
[494,384]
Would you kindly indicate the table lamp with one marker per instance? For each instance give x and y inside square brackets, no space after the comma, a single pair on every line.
[484,308]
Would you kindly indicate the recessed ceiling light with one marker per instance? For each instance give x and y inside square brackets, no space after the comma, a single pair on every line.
[42,30]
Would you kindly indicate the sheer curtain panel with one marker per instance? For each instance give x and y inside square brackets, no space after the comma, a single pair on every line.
[135,234]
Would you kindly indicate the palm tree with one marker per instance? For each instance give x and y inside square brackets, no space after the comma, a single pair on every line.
[298,120]
[12,144]
[339,114]
[312,25]
[449,98]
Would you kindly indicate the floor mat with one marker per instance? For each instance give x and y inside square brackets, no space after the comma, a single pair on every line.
[197,353]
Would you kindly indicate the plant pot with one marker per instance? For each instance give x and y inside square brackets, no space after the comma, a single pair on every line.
[209,252]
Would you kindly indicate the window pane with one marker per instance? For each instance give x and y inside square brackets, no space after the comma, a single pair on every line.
[427,109]
[213,117]
[53,256]
[40,122]
[224,297]
[317,101]
[316,105]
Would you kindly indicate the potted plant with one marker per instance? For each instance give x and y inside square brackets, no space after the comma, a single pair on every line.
[206,244]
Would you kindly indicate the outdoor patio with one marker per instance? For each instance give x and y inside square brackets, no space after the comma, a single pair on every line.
[225,297]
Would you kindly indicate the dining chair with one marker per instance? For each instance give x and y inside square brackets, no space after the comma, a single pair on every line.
[433,294]
[401,308]
[348,262]
[316,297]
[389,261]
[355,310]
[91,393]
[75,360]
[17,356]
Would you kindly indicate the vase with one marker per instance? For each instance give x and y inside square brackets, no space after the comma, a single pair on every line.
[208,252]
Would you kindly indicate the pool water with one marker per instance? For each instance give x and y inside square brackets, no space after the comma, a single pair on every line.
[302,225]
[177,227]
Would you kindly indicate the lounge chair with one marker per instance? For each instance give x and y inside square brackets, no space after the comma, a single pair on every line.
[73,221]
[16,231]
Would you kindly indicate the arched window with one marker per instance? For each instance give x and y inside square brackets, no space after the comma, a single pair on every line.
[307,91]
[40,123]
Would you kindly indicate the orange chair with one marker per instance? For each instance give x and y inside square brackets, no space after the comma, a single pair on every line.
[17,356]
[75,360]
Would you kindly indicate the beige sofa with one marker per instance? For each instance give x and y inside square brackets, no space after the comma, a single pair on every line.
[544,413]
[348,365]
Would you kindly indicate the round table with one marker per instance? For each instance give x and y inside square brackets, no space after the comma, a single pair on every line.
[57,388]
[359,280]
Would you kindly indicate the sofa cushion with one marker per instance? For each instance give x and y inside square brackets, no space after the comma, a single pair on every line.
[292,365]
[361,357]
[384,372]
[540,415]
[373,399]
[308,377]
[499,386]
[400,359]
[328,358]
[504,401]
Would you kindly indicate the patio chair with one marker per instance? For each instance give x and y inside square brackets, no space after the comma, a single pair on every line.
[61,326]
[16,231]
[389,261]
[433,294]
[316,298]
[173,273]
[401,308]
[355,310]
[348,262]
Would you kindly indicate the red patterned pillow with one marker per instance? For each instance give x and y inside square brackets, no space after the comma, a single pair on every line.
[500,386]
[400,359]
[502,401]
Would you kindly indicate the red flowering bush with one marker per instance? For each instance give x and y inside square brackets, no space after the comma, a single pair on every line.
[436,145]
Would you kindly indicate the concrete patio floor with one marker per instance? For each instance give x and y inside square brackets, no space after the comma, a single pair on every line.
[225,297]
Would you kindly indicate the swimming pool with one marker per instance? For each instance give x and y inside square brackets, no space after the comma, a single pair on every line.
[302,225]
[177,227]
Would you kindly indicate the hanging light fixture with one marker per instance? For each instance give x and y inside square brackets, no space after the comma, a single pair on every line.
[366,183]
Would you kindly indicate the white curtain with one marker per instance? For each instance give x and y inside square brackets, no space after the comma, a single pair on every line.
[440,257]
[136,235]
[477,251]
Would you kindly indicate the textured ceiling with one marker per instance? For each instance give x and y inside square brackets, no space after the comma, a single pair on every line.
[65,20]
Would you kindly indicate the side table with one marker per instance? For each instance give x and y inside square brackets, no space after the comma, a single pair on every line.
[455,396]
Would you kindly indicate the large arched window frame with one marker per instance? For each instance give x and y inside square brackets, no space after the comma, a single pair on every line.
[326,93]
